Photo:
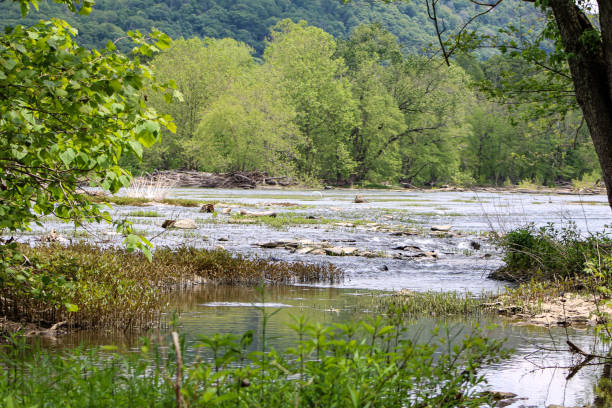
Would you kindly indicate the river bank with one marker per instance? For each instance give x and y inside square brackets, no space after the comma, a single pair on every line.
[261,180]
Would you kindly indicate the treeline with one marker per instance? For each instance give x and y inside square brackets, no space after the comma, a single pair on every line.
[249,21]
[358,110]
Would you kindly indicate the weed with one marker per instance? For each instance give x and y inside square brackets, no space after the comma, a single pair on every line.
[354,364]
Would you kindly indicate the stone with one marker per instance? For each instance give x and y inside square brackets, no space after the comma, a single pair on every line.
[359,199]
[500,395]
[318,251]
[226,210]
[334,251]
[223,239]
[207,208]
[180,224]
[441,228]
[407,247]
[475,245]
[304,250]
[279,244]
[53,236]
[185,224]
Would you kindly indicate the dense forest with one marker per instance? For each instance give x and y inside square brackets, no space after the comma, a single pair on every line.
[249,21]
[336,100]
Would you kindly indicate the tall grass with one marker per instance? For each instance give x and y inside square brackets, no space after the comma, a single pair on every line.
[89,287]
[149,189]
[549,253]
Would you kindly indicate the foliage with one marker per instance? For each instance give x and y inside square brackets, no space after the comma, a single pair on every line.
[68,115]
[248,21]
[370,363]
[92,287]
[550,253]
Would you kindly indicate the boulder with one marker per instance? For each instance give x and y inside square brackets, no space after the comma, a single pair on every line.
[442,228]
[304,250]
[226,210]
[53,236]
[180,224]
[340,251]
[359,199]
[207,208]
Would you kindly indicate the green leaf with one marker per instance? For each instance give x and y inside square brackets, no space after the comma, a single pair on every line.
[71,308]
[137,148]
[67,156]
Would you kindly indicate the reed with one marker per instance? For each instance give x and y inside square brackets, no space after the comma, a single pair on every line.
[90,287]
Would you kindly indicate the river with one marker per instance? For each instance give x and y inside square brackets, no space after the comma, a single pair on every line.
[462,264]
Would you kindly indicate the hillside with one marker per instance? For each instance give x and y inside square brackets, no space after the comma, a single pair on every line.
[249,20]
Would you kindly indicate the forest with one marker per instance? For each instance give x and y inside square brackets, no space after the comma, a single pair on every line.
[356,111]
[336,101]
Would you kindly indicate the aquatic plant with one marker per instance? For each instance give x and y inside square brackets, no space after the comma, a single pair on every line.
[141,201]
[355,364]
[144,213]
[86,286]
[432,303]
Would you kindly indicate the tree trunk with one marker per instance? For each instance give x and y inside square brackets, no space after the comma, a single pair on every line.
[590,65]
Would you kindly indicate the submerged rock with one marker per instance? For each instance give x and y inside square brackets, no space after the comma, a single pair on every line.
[258,214]
[207,208]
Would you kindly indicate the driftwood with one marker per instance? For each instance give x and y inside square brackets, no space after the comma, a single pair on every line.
[185,178]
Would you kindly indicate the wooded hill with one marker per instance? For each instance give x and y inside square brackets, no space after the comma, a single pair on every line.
[249,21]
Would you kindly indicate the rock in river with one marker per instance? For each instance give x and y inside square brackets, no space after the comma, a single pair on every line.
[359,199]
[443,228]
[180,224]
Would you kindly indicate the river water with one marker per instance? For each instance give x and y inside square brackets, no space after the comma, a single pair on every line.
[459,267]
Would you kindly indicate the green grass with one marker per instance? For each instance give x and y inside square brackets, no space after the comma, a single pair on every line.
[144,213]
[139,201]
[415,304]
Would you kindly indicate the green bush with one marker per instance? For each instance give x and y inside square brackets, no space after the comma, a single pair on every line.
[550,253]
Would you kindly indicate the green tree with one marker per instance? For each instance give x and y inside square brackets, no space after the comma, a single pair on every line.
[315,84]
[572,50]
[203,71]
[249,127]
[67,115]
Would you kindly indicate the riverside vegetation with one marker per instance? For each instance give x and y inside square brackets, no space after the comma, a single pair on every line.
[89,287]
[371,363]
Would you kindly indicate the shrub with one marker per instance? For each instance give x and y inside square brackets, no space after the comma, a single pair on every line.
[549,253]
